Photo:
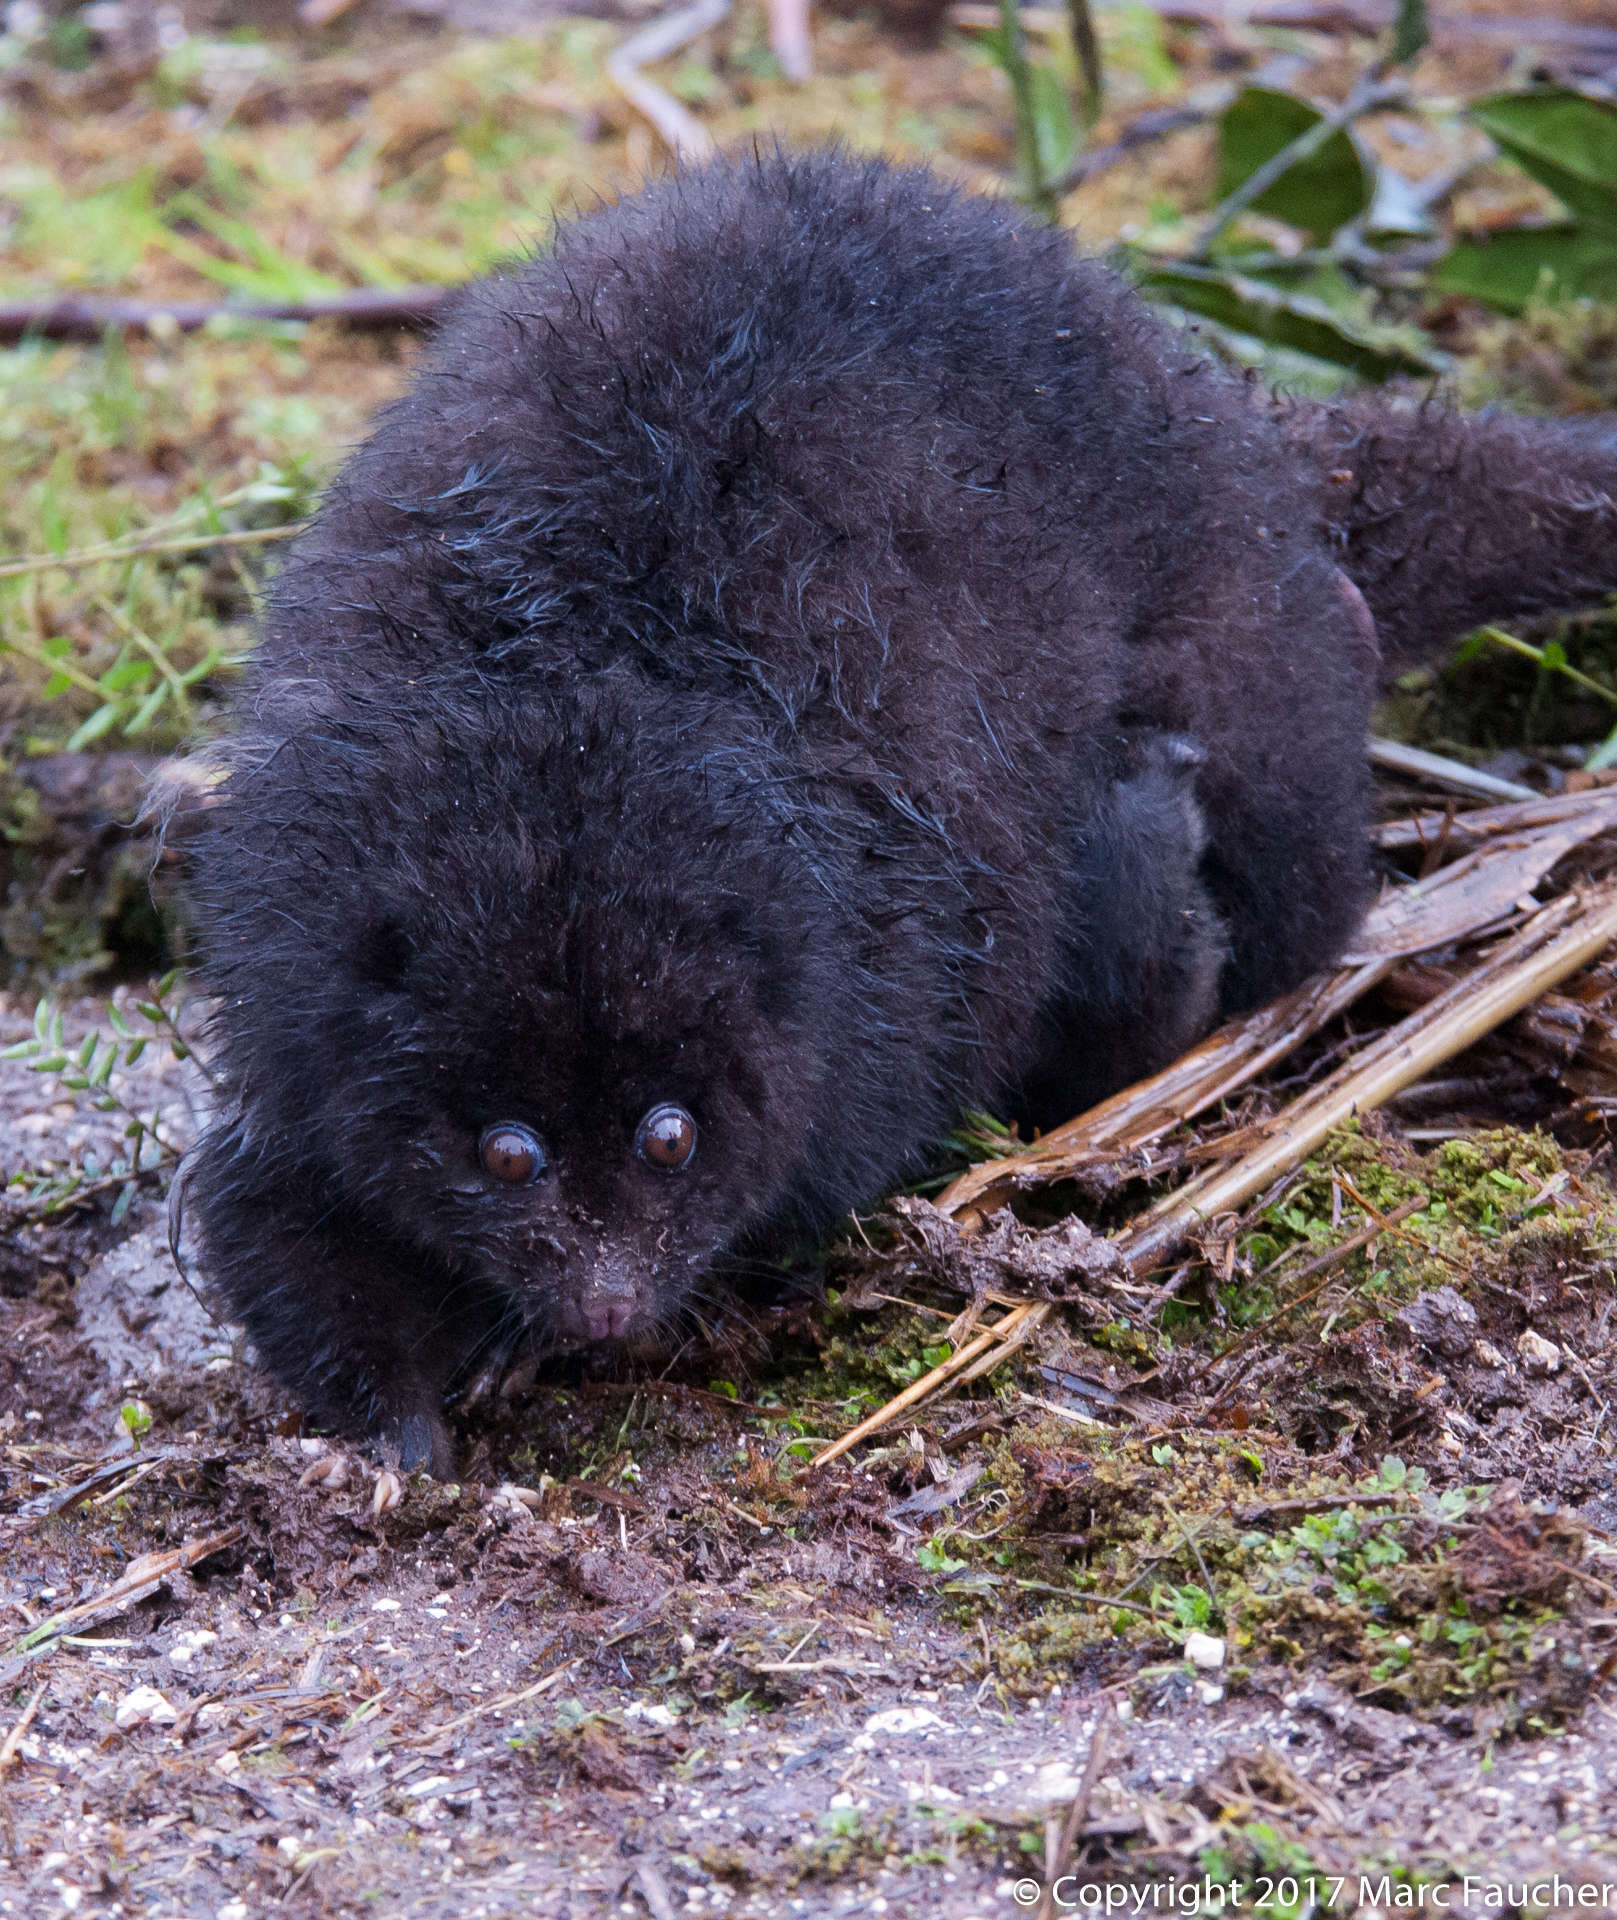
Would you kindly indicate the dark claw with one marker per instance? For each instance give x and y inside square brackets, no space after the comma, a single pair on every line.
[424,1446]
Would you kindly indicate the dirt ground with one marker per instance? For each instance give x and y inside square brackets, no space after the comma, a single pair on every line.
[641,1660]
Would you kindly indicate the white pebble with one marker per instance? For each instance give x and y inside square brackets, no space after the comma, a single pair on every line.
[1204,1650]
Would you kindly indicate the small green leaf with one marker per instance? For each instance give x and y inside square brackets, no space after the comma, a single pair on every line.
[49,1063]
[133,1052]
[125,675]
[117,1022]
[1318,194]
[1603,756]
[99,722]
[86,1052]
[147,711]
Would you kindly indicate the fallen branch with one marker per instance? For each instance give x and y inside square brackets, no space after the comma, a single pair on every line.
[87,317]
[1460,831]
[1209,1073]
[680,131]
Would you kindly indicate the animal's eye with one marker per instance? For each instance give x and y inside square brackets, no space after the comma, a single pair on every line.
[512,1154]
[666,1138]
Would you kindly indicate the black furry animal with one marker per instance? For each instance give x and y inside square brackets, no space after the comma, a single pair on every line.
[810,653]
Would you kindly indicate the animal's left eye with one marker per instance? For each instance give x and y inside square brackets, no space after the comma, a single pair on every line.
[666,1138]
[512,1154]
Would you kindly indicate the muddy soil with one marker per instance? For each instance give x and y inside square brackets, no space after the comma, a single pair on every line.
[641,1660]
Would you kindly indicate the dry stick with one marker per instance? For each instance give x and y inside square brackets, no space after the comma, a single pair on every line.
[681,132]
[1444,772]
[80,317]
[494,1706]
[1458,831]
[1379,1224]
[923,1388]
[106,555]
[13,1740]
[1540,956]
[1058,1858]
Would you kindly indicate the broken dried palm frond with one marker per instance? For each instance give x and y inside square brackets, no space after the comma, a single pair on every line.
[1473,894]
[1461,831]
[1557,941]
[1129,1120]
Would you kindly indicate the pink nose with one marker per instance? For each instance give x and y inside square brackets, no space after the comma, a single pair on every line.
[607,1318]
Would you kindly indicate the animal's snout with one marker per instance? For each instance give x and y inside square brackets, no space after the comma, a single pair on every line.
[607,1314]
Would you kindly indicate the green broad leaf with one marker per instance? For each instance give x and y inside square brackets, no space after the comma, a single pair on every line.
[1566,140]
[117,1022]
[1283,320]
[1318,194]
[1518,264]
[99,722]
[58,683]
[1410,31]
[126,674]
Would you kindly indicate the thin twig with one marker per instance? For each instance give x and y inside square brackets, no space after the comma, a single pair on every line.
[81,317]
[1443,772]
[1369,92]
[496,1706]
[132,550]
[923,1389]
[14,1739]
[1058,1858]
[680,131]
[1379,1224]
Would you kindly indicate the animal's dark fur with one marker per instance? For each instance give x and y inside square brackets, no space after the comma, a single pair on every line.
[815,650]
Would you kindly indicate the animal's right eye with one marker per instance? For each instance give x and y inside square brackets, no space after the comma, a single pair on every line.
[512,1154]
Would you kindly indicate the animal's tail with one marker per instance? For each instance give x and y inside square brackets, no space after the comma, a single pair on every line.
[1444,521]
